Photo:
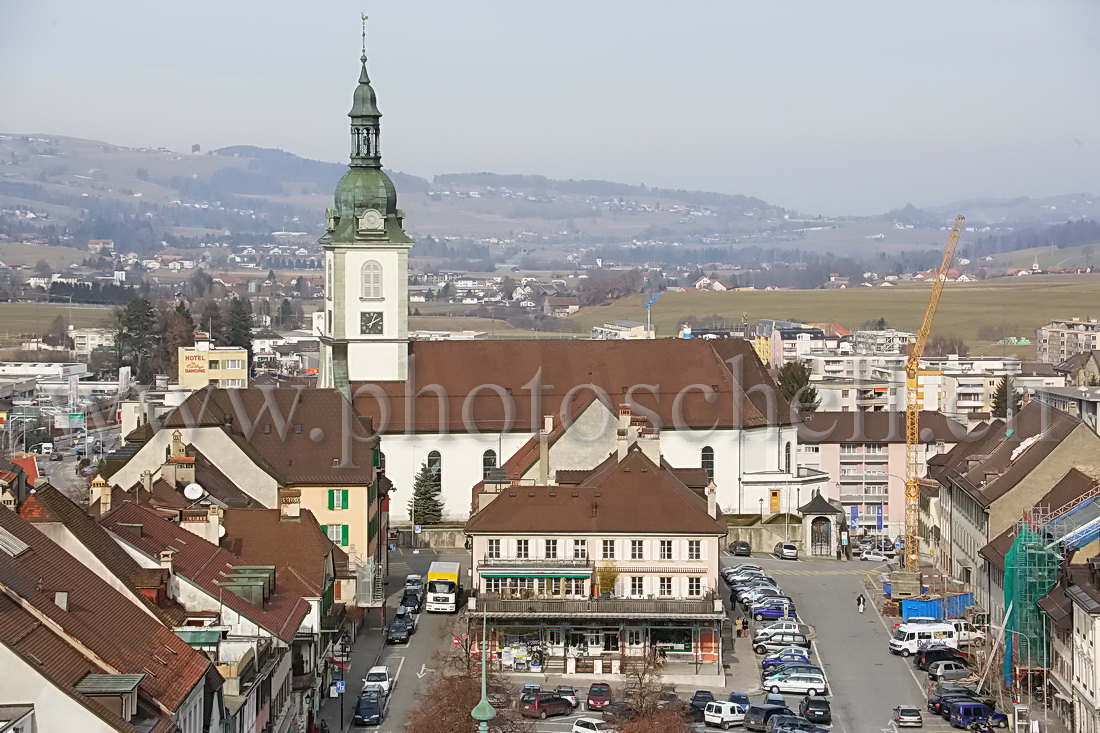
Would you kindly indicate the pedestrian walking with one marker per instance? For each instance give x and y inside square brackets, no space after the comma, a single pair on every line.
[745,626]
[860,603]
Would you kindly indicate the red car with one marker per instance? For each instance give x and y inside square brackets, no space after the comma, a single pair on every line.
[599,695]
[542,704]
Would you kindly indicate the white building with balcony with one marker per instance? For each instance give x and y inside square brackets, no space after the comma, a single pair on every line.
[573,570]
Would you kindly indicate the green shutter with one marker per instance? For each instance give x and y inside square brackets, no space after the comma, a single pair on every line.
[324,529]
[331,499]
[343,535]
[343,498]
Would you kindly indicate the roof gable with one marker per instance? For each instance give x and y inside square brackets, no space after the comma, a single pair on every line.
[606,502]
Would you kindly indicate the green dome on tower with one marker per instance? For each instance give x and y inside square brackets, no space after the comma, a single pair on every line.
[365,187]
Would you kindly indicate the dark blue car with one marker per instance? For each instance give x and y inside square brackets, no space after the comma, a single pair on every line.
[774,611]
[790,657]
[370,709]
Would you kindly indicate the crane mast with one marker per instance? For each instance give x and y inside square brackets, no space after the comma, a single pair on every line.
[912,407]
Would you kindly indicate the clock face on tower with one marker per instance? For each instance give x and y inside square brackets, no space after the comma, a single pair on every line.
[371,220]
[370,323]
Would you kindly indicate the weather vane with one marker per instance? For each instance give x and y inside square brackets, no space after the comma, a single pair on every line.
[363,16]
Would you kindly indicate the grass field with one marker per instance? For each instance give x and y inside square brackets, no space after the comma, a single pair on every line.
[1025,303]
[17,253]
[35,318]
[1082,254]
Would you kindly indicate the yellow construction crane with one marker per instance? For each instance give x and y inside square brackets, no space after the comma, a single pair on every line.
[912,407]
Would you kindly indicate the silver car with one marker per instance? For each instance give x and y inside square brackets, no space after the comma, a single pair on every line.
[948,669]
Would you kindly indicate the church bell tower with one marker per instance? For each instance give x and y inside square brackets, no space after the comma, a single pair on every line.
[365,329]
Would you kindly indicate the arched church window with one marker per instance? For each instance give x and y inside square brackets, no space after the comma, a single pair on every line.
[787,458]
[372,280]
[488,462]
[708,461]
[435,465]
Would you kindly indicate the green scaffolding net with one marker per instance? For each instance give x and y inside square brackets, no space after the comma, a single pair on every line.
[1031,569]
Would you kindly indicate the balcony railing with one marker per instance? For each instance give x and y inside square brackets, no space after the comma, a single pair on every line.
[516,562]
[863,498]
[492,604]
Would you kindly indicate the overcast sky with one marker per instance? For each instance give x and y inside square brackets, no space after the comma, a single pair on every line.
[827,107]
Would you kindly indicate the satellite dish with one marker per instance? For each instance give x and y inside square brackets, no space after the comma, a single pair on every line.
[193,491]
[221,530]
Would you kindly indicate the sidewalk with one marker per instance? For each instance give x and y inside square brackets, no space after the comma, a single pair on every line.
[365,651]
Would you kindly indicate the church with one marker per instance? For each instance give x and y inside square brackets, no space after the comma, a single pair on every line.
[523,410]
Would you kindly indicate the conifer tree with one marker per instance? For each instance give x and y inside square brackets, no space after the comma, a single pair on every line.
[238,327]
[1005,400]
[425,506]
[794,384]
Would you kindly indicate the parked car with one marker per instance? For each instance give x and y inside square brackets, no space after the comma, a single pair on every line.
[380,676]
[740,698]
[741,548]
[929,655]
[724,714]
[786,670]
[874,555]
[793,724]
[756,594]
[412,600]
[779,641]
[938,702]
[757,716]
[531,687]
[397,632]
[816,709]
[415,582]
[962,713]
[599,695]
[543,704]
[908,716]
[786,551]
[775,660]
[774,698]
[403,616]
[700,700]
[803,684]
[774,609]
[589,725]
[619,712]
[948,669]
[567,692]
[774,627]
[370,708]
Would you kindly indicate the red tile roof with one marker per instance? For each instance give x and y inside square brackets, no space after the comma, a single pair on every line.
[30,466]
[113,627]
[205,564]
[607,501]
[876,427]
[565,368]
[310,440]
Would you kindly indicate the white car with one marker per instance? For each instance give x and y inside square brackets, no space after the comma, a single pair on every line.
[803,684]
[380,676]
[786,551]
[875,556]
[588,725]
[723,714]
[776,627]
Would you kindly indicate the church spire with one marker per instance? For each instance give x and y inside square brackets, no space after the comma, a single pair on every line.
[365,117]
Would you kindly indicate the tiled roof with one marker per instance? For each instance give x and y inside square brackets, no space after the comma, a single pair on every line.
[978,442]
[876,427]
[607,501]
[1072,485]
[29,464]
[1037,430]
[259,537]
[111,626]
[564,368]
[205,564]
[322,440]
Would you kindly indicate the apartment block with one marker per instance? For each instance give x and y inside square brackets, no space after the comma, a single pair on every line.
[1061,339]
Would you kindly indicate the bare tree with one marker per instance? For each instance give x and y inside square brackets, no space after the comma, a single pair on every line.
[643,679]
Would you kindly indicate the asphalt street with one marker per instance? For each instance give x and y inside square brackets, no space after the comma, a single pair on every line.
[866,681]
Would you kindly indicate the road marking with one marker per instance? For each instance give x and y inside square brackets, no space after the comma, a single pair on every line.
[423,671]
[780,571]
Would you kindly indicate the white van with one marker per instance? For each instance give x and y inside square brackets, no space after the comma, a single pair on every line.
[45,449]
[910,638]
[724,714]
[967,632]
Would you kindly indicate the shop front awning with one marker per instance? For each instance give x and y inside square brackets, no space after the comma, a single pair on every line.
[540,573]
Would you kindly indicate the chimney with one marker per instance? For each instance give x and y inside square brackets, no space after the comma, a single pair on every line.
[147,480]
[98,488]
[712,500]
[166,560]
[544,449]
[177,445]
[290,504]
[61,598]
[104,500]
[204,522]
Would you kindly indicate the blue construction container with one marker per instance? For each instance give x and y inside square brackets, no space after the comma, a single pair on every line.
[939,608]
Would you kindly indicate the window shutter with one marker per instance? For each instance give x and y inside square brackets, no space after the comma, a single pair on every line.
[343,498]
[331,499]
[324,529]
[343,535]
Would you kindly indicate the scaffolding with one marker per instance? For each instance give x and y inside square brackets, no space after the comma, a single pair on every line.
[1032,563]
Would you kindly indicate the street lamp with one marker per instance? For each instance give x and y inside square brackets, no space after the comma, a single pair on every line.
[483,712]
[761,511]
